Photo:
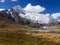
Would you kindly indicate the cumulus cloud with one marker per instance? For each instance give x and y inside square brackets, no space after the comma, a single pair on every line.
[14,0]
[48,15]
[33,13]
[35,9]
[2,0]
[55,15]
[1,9]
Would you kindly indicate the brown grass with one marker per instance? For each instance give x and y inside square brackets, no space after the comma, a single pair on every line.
[48,36]
[24,38]
[54,28]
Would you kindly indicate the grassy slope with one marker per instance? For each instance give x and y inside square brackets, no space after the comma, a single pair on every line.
[54,28]
[6,24]
[10,34]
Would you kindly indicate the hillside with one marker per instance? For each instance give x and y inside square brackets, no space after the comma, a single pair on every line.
[7,24]
[10,34]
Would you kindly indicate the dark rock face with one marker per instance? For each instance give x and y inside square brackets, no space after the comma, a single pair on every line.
[6,14]
[3,14]
[15,15]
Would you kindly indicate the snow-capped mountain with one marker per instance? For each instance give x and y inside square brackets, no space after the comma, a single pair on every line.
[34,17]
[30,18]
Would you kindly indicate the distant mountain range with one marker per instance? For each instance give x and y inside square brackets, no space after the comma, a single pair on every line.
[19,15]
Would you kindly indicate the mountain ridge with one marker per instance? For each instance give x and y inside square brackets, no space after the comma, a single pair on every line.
[18,15]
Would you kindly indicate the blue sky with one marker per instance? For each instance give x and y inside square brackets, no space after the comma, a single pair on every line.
[51,6]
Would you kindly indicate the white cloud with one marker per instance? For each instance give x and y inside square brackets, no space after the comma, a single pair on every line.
[2,0]
[1,9]
[35,9]
[34,15]
[10,0]
[14,0]
[55,15]
[48,15]
[40,18]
